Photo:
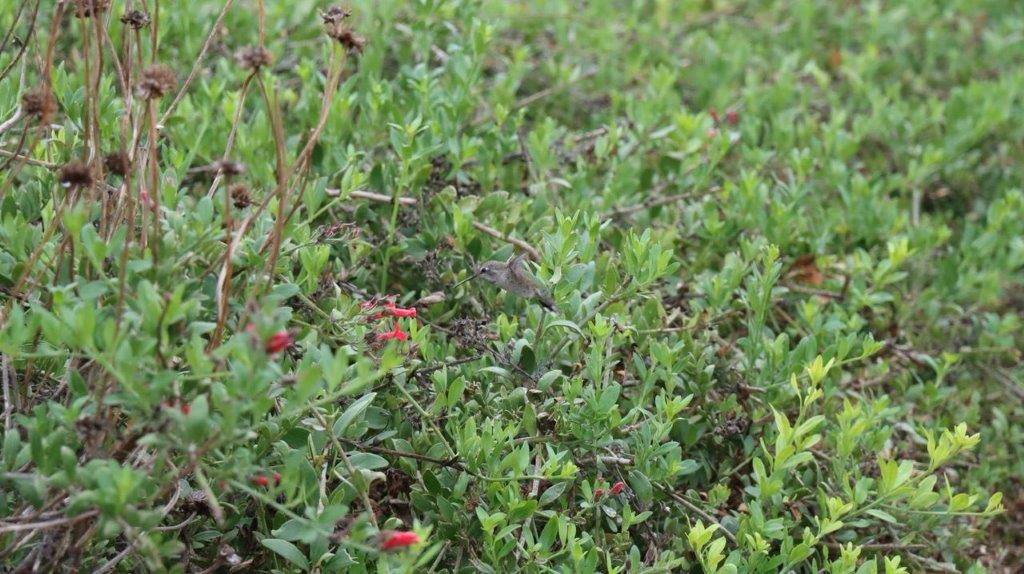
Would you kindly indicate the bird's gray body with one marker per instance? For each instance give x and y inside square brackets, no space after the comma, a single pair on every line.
[513,277]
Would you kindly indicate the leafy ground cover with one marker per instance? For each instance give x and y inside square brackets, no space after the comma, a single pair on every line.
[785,241]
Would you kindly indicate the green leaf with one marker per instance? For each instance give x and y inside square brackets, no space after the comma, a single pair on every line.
[353,411]
[553,492]
[287,550]
[882,515]
[367,460]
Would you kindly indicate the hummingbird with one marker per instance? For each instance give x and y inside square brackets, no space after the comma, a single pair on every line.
[512,276]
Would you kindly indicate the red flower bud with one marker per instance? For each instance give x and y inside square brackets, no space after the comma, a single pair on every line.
[617,487]
[712,132]
[279,341]
[714,114]
[261,481]
[277,478]
[599,493]
[186,408]
[732,117]
[391,539]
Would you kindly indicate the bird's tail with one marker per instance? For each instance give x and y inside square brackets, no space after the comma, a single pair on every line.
[547,302]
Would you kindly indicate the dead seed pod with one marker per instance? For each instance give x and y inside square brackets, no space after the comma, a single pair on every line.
[89,8]
[334,25]
[228,167]
[117,163]
[351,41]
[38,103]
[76,173]
[253,58]
[240,196]
[135,19]
[156,82]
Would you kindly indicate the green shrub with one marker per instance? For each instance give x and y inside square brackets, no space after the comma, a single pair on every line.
[784,240]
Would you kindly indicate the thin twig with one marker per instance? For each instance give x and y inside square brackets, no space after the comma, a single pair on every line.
[398,453]
[359,481]
[696,509]
[878,546]
[199,61]
[18,114]
[534,254]
[28,39]
[377,197]
[7,527]
[112,563]
[29,160]
[8,406]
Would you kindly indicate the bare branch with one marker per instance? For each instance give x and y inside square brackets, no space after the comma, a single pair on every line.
[534,254]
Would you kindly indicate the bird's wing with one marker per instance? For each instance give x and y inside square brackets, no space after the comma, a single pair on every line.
[518,270]
[517,267]
[516,261]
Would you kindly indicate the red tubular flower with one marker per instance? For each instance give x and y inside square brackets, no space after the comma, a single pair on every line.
[397,334]
[617,487]
[186,408]
[732,117]
[391,539]
[279,341]
[261,481]
[599,493]
[400,312]
[396,311]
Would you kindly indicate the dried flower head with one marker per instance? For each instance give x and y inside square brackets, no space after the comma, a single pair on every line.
[253,58]
[334,26]
[156,81]
[351,41]
[76,173]
[240,196]
[117,163]
[88,8]
[195,501]
[136,19]
[334,16]
[228,168]
[39,103]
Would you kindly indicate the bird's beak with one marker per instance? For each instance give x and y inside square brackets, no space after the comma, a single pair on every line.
[467,279]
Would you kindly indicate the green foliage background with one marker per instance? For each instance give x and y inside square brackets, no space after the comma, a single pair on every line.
[786,239]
